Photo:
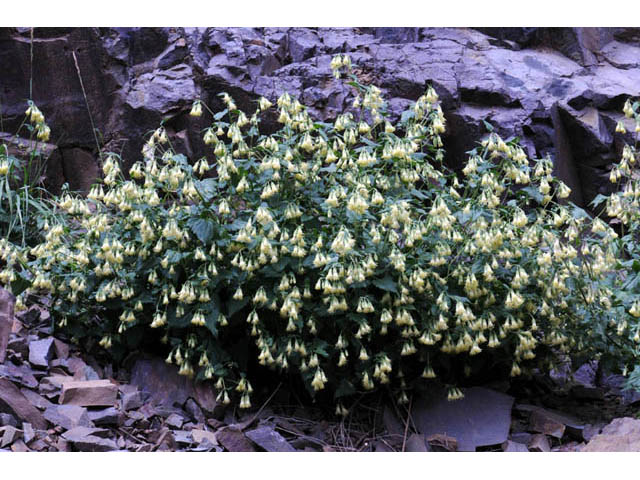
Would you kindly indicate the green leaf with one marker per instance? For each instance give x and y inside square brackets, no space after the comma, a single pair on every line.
[488,126]
[598,200]
[533,193]
[386,283]
[212,317]
[203,229]
[207,188]
[234,306]
[345,388]
[220,114]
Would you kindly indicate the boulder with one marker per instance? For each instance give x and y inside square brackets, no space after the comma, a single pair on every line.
[12,401]
[88,439]
[41,352]
[89,393]
[68,416]
[621,435]
[481,418]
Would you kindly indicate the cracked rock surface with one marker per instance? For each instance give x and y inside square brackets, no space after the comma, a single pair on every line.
[559,89]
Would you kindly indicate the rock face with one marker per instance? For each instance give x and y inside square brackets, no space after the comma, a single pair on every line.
[559,89]
[621,435]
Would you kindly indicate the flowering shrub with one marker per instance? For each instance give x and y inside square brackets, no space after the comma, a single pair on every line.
[623,209]
[347,253]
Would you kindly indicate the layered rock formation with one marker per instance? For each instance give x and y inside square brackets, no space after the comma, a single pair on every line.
[559,90]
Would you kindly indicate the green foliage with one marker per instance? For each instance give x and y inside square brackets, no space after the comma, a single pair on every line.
[345,254]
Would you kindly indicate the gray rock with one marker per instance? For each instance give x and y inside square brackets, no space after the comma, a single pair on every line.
[481,418]
[89,393]
[89,440]
[510,446]
[68,416]
[28,433]
[621,435]
[8,434]
[192,408]
[12,401]
[161,381]
[182,436]
[132,400]
[539,443]
[234,441]
[266,437]
[36,400]
[22,374]
[543,421]
[41,352]
[8,419]
[417,443]
[199,436]
[105,416]
[174,420]
[7,302]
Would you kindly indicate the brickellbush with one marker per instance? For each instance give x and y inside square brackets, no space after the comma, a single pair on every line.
[346,254]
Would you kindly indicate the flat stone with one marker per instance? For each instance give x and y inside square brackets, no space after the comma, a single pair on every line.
[205,395]
[41,352]
[621,435]
[132,400]
[28,433]
[19,345]
[19,446]
[267,438]
[201,435]
[8,419]
[80,370]
[35,399]
[19,374]
[182,436]
[8,434]
[54,382]
[234,441]
[192,408]
[510,446]
[481,418]
[539,443]
[549,421]
[174,420]
[7,303]
[165,441]
[585,376]
[105,416]
[541,421]
[14,402]
[416,443]
[94,393]
[161,382]
[89,440]
[68,416]
[61,349]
